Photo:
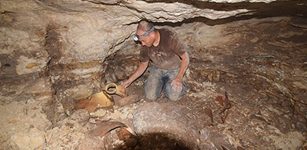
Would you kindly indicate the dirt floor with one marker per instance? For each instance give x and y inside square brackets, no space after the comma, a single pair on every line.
[248,93]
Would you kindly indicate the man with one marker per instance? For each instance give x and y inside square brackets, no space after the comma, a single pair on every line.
[169,61]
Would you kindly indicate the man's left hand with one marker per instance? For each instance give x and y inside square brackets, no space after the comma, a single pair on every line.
[176,84]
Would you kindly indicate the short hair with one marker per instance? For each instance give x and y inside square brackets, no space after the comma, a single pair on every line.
[145,25]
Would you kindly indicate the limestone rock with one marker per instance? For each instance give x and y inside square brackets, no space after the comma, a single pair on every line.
[177,12]
[33,139]
[291,140]
[23,124]
[29,65]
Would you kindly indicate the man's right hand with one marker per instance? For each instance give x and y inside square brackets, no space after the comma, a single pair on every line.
[125,83]
[139,71]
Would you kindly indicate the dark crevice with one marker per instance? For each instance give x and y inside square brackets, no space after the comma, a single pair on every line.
[285,5]
[7,12]
[151,141]
[244,16]
[204,20]
[104,2]
[52,46]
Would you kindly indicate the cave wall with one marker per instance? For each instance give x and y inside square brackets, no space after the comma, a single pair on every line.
[57,48]
[37,32]
[67,41]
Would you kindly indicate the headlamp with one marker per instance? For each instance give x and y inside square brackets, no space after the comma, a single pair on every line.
[136,37]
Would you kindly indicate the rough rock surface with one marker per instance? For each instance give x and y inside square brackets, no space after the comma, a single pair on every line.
[53,53]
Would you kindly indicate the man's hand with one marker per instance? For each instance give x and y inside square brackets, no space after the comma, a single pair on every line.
[125,83]
[139,71]
[177,84]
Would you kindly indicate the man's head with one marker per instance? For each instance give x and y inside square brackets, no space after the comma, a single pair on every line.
[145,33]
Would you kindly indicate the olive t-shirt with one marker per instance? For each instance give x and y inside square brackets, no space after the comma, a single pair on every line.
[166,54]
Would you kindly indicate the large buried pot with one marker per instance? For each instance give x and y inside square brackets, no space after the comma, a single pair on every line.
[167,126]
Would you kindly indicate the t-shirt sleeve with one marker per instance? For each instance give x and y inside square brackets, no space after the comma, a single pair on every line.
[176,45]
[144,55]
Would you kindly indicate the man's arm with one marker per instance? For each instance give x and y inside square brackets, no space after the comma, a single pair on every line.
[177,82]
[139,71]
[185,60]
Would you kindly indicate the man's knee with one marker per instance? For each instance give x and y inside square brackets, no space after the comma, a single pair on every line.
[174,97]
[152,91]
[173,94]
[151,95]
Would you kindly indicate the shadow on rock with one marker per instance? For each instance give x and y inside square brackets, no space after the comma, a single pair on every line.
[161,141]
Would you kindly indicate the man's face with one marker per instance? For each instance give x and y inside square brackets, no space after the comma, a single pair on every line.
[146,38]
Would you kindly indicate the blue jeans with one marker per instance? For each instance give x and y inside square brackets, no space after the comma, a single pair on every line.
[159,80]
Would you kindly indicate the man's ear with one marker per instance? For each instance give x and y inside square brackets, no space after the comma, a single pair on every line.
[154,34]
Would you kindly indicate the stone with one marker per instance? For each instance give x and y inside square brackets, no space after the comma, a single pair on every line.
[255,39]
[39,87]
[33,139]
[79,91]
[98,113]
[80,115]
[291,140]
[24,121]
[179,11]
